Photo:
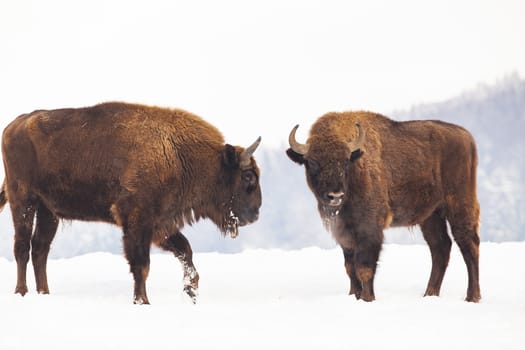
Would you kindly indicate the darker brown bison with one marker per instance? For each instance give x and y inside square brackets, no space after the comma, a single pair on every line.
[369,173]
[148,170]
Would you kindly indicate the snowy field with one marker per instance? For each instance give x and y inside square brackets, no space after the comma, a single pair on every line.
[268,299]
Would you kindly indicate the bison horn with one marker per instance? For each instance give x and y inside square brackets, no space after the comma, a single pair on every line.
[247,153]
[357,144]
[296,146]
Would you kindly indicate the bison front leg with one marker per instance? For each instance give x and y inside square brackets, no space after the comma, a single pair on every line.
[137,243]
[366,256]
[179,245]
[137,254]
[355,283]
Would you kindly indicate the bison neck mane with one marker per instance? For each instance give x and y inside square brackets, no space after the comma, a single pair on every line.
[207,189]
[221,214]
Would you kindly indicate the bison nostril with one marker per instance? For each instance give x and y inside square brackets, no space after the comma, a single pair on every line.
[248,216]
[335,195]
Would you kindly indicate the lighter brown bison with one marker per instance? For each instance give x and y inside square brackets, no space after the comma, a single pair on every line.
[369,173]
[148,170]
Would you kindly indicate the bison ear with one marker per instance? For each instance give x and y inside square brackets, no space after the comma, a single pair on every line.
[294,156]
[230,157]
[356,155]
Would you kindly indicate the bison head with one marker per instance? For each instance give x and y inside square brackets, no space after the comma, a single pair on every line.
[244,201]
[327,162]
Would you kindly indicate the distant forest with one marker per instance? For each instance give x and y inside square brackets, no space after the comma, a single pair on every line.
[494,114]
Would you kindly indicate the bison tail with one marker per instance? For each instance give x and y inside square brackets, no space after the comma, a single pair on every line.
[3,197]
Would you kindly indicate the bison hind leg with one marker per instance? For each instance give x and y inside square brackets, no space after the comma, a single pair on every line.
[46,227]
[435,232]
[23,214]
[464,224]
[468,241]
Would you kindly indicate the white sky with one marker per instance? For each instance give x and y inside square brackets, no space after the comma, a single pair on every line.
[253,67]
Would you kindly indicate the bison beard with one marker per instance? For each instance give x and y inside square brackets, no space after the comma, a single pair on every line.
[232,225]
[329,216]
[392,173]
[148,170]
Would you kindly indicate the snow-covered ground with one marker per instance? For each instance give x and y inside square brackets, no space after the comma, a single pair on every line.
[268,299]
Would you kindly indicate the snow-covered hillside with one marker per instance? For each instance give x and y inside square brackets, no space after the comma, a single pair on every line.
[268,299]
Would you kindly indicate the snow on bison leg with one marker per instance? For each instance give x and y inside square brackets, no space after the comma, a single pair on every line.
[191,283]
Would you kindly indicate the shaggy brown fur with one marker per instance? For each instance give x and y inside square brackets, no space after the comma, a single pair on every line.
[405,173]
[148,170]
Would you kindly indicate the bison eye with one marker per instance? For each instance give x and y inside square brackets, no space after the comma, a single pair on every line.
[249,179]
[356,155]
[312,166]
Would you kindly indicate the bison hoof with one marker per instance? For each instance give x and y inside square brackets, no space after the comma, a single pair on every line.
[192,293]
[431,292]
[141,301]
[22,290]
[368,299]
[365,297]
[354,291]
[473,299]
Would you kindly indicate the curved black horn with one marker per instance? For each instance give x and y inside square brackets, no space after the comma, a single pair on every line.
[247,153]
[296,146]
[359,142]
